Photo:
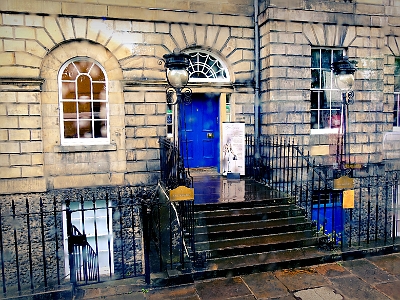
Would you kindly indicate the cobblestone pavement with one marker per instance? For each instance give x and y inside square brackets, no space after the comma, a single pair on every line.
[376,278]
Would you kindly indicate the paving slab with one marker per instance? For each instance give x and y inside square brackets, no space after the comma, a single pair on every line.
[389,263]
[265,285]
[390,289]
[368,271]
[353,287]
[222,289]
[332,270]
[186,292]
[300,279]
[322,293]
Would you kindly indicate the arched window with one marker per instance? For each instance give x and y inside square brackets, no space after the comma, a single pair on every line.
[204,67]
[83,94]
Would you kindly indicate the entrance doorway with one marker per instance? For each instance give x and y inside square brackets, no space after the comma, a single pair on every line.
[199,131]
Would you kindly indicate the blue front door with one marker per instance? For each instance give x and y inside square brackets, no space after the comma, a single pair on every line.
[199,131]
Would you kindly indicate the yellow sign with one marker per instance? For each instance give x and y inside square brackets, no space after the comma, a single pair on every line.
[181,193]
[348,199]
[343,183]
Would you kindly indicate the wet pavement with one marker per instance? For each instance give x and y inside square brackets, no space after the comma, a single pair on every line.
[374,278]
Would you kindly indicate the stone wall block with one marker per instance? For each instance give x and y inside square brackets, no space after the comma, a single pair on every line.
[178,36]
[26,59]
[308,32]
[44,39]
[13,19]
[200,34]
[105,33]
[32,171]
[53,29]
[189,32]
[14,45]
[6,32]
[80,26]
[10,147]
[31,147]
[24,33]
[19,135]
[211,36]
[88,9]
[66,28]
[12,172]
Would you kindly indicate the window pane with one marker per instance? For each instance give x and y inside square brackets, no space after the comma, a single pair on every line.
[83,66]
[99,91]
[315,83]
[314,119]
[100,129]
[315,58]
[84,87]
[326,59]
[337,55]
[68,90]
[69,110]
[397,83]
[85,110]
[315,100]
[70,72]
[85,129]
[326,79]
[70,129]
[97,74]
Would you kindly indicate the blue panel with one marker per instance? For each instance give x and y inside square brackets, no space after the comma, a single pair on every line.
[200,130]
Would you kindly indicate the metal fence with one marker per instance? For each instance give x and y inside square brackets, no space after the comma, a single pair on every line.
[373,216]
[75,236]
[173,223]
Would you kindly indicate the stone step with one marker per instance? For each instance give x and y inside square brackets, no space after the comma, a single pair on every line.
[249,245]
[246,215]
[246,229]
[250,201]
[254,263]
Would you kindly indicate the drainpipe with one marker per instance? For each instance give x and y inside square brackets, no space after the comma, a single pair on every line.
[257,83]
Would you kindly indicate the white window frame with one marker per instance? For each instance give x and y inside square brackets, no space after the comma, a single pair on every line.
[82,140]
[330,89]
[396,127]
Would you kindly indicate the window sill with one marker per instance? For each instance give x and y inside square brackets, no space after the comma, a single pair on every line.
[325,131]
[85,148]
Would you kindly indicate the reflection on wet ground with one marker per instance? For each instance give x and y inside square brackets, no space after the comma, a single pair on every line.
[212,187]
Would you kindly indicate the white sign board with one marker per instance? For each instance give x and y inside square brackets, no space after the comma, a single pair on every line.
[233,148]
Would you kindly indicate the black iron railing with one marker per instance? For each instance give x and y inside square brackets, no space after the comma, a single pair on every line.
[106,227]
[373,220]
[173,172]
[178,249]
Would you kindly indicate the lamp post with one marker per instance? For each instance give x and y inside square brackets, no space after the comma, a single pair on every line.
[176,64]
[344,72]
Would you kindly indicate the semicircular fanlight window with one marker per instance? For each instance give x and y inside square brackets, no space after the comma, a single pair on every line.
[204,67]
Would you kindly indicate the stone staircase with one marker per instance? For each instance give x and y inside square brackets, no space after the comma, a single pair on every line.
[250,236]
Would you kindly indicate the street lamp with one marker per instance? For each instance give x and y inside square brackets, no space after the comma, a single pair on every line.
[176,64]
[344,72]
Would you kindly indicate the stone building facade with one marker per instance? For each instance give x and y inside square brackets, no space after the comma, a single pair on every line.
[128,40]
[83,85]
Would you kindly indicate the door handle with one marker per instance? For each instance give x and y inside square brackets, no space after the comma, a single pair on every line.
[210,135]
